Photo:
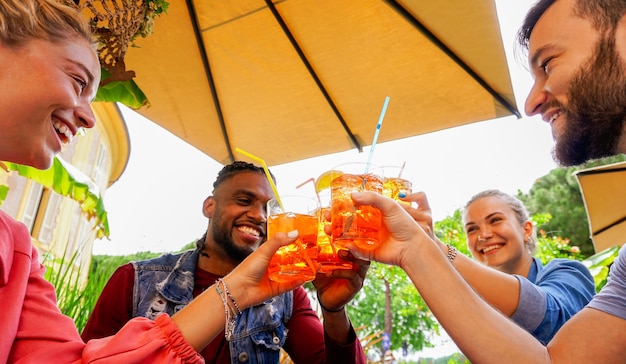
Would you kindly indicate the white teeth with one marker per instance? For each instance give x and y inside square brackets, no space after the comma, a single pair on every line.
[249,230]
[63,129]
[554,116]
[491,247]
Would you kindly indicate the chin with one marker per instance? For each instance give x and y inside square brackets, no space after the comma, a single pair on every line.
[40,161]
[43,163]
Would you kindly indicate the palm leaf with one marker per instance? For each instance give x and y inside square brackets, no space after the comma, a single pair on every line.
[67,180]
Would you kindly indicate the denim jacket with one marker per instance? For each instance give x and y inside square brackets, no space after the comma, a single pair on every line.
[165,284]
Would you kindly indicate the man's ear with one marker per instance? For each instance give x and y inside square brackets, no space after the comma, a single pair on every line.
[207,207]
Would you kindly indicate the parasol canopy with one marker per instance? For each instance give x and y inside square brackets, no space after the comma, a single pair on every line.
[293,79]
[605,200]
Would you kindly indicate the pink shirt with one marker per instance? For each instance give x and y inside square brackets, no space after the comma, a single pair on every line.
[34,330]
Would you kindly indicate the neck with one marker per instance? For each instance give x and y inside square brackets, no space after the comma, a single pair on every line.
[523,269]
[214,260]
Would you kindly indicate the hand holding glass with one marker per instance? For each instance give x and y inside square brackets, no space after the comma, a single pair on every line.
[397,181]
[327,257]
[359,224]
[297,260]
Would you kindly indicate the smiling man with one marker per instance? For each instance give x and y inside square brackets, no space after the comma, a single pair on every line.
[577,55]
[237,226]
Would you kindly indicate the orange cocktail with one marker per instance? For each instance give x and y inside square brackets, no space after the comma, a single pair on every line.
[297,260]
[395,186]
[327,257]
[359,224]
[397,181]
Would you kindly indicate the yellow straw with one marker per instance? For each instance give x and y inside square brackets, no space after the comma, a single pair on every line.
[271,181]
[267,174]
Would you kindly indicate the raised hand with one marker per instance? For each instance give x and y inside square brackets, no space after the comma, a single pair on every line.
[250,280]
[337,288]
[400,233]
[422,214]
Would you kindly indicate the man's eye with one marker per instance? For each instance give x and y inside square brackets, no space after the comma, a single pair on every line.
[545,65]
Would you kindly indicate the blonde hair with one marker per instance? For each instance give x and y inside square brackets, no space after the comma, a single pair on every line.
[51,20]
[518,208]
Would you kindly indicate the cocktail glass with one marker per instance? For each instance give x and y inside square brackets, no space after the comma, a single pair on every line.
[359,224]
[327,258]
[298,260]
[397,181]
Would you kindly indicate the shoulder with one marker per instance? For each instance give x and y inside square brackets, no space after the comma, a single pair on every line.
[165,260]
[566,272]
[122,276]
[14,233]
[620,261]
[565,264]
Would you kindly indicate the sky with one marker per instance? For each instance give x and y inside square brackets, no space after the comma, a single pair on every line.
[156,205]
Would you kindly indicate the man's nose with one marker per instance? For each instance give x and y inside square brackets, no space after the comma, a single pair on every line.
[535,100]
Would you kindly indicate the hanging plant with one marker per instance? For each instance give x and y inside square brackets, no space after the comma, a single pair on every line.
[116,24]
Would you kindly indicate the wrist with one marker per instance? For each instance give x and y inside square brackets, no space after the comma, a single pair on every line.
[236,291]
[327,309]
[451,254]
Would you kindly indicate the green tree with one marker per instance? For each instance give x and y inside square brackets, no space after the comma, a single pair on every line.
[450,230]
[410,317]
[558,194]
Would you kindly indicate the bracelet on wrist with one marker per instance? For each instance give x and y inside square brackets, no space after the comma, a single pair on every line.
[230,310]
[451,253]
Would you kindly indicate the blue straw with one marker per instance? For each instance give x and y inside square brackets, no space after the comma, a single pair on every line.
[380,123]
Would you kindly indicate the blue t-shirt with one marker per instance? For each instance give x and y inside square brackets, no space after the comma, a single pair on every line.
[551,295]
[612,298]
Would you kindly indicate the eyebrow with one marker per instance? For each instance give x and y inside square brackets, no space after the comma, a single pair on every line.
[246,193]
[90,76]
[486,217]
[535,57]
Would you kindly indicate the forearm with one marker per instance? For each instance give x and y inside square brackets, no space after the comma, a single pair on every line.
[202,319]
[501,290]
[337,326]
[463,313]
[340,340]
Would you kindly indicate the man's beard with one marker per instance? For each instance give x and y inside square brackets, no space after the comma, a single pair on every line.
[224,239]
[596,111]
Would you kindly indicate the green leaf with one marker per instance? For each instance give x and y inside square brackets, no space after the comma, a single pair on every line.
[603,258]
[66,180]
[125,92]
[4,190]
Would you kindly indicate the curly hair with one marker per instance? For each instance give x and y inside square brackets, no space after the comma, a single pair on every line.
[236,167]
[516,206]
[50,20]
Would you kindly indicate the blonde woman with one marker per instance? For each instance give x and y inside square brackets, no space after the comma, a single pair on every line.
[50,74]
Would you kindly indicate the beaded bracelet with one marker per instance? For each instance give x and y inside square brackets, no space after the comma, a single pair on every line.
[451,253]
[231,314]
[230,296]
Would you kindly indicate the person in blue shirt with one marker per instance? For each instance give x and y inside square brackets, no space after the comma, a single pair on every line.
[501,236]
